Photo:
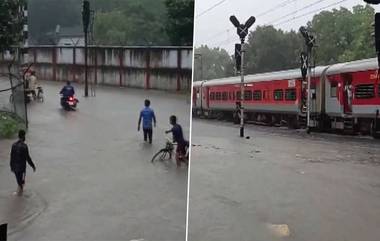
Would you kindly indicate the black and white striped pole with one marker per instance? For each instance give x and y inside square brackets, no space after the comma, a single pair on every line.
[310,43]
[242,31]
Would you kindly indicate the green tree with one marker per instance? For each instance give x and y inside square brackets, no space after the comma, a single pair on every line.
[11,23]
[270,49]
[180,22]
[212,63]
[341,34]
[344,35]
[131,25]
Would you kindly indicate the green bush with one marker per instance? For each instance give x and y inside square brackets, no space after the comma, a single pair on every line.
[9,125]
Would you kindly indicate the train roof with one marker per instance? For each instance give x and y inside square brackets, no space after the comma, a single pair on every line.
[279,75]
[354,66]
[359,65]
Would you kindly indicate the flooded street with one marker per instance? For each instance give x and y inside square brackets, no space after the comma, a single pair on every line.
[282,185]
[94,178]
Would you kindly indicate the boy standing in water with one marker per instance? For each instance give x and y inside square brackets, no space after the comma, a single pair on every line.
[147,116]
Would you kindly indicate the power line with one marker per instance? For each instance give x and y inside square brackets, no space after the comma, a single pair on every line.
[311,12]
[283,4]
[296,11]
[228,40]
[219,33]
[210,8]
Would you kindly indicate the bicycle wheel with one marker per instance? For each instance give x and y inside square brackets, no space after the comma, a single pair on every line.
[160,155]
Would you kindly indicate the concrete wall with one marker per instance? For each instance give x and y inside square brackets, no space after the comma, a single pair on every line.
[165,68]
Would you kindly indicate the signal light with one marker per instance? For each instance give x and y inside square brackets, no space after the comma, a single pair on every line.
[234,21]
[250,22]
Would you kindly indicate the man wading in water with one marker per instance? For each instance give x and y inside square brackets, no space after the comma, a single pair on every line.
[19,158]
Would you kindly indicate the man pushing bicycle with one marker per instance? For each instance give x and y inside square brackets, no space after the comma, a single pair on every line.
[182,144]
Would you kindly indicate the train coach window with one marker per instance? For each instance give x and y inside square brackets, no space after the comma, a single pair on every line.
[238,95]
[257,95]
[218,96]
[333,89]
[247,95]
[378,90]
[212,96]
[224,96]
[290,94]
[365,91]
[278,94]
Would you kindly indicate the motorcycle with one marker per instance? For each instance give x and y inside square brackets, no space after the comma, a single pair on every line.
[69,103]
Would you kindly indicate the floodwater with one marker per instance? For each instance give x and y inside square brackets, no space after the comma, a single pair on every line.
[282,184]
[94,178]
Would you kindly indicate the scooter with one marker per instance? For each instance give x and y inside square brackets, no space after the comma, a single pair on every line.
[69,103]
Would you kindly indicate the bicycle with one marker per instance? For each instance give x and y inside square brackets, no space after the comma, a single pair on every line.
[165,152]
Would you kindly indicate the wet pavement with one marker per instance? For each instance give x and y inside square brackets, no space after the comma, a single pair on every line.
[282,185]
[94,178]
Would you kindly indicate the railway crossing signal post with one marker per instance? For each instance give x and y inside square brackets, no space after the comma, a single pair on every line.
[242,31]
[86,14]
[310,43]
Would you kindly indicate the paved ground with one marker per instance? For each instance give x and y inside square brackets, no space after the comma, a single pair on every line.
[282,185]
[94,179]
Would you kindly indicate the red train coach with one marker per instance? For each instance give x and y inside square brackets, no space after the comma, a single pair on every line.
[353,96]
[343,96]
[269,98]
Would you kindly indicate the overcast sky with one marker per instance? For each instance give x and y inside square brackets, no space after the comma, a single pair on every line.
[212,27]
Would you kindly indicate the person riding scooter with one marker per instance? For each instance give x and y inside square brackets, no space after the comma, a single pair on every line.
[66,92]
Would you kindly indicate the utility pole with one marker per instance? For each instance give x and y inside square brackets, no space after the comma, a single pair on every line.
[201,59]
[242,31]
[86,13]
[310,43]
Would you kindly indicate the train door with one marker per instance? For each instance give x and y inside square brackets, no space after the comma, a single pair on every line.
[347,93]
[205,97]
[196,96]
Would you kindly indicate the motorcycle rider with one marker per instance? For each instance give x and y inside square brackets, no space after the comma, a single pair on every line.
[66,92]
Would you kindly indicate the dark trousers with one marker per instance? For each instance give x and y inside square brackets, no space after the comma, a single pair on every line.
[20,178]
[148,133]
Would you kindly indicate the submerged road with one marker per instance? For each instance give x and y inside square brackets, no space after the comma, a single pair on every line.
[282,185]
[94,178]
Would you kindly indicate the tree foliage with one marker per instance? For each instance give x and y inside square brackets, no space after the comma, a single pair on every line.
[117,22]
[130,22]
[216,63]
[270,49]
[341,35]
[344,35]
[11,23]
[179,25]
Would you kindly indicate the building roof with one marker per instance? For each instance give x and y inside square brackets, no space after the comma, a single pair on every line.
[67,32]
